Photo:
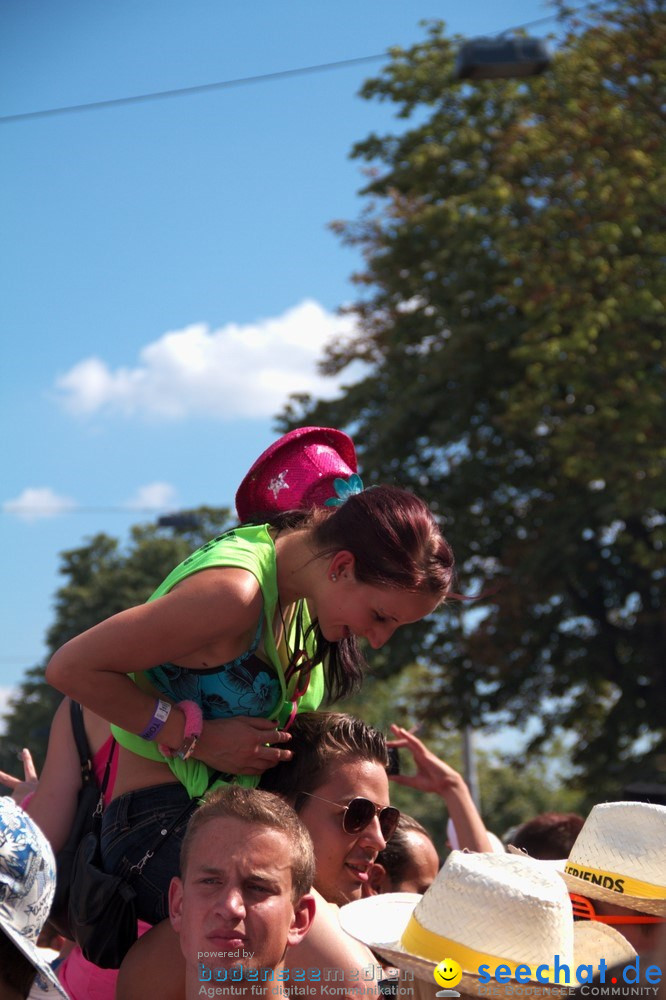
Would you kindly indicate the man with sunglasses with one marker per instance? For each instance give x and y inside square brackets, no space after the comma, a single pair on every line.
[353,827]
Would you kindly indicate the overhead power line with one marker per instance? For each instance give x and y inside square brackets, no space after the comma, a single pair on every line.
[160,95]
[46,509]
[18,658]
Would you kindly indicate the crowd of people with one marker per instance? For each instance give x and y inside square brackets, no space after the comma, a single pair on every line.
[281,865]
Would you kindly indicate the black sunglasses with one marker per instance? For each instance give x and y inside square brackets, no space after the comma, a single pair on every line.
[360,812]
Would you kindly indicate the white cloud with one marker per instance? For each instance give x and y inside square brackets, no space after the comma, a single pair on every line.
[38,502]
[235,371]
[151,496]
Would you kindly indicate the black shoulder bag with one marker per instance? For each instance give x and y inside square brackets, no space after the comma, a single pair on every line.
[87,803]
[102,907]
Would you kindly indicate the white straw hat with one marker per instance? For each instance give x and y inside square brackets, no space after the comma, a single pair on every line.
[620,856]
[485,909]
[27,884]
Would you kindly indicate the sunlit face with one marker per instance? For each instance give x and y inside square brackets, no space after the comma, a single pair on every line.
[343,860]
[346,607]
[423,865]
[235,898]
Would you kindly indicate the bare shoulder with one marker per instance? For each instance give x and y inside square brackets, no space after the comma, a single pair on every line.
[61,738]
[228,583]
[327,946]
[54,802]
[154,966]
[226,594]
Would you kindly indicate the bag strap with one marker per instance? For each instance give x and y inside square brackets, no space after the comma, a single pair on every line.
[107,769]
[162,837]
[78,730]
[99,808]
[85,755]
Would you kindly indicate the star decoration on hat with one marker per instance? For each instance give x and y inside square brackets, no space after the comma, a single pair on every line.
[278,483]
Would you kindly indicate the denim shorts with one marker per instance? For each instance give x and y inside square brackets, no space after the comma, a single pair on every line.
[130,826]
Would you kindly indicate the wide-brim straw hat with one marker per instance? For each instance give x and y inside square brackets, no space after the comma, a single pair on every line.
[485,909]
[27,884]
[619,857]
[296,472]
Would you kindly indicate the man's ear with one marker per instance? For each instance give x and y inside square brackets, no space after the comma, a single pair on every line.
[341,566]
[304,912]
[175,903]
[378,880]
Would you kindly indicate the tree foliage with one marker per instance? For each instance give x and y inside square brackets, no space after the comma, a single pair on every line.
[511,318]
[102,578]
[510,793]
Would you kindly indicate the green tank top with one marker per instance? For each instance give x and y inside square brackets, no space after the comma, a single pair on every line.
[251,548]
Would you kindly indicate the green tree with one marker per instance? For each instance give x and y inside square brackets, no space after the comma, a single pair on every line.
[102,578]
[511,318]
[511,792]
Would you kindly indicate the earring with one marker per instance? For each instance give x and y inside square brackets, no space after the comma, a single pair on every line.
[333,577]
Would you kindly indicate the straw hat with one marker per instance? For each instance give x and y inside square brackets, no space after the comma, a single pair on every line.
[27,884]
[619,856]
[485,909]
[296,472]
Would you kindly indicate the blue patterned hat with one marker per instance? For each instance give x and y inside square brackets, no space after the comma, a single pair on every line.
[27,884]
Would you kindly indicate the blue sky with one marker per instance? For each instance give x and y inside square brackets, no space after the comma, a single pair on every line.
[169,276]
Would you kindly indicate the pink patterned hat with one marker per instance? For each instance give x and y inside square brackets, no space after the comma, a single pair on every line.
[296,472]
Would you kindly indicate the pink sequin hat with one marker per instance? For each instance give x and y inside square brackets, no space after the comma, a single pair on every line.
[296,472]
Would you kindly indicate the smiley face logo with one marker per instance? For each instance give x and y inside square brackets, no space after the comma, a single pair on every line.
[448,973]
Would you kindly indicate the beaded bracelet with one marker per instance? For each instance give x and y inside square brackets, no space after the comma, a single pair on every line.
[157,720]
[193,727]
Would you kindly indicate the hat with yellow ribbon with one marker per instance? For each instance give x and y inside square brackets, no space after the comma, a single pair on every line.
[619,856]
[487,912]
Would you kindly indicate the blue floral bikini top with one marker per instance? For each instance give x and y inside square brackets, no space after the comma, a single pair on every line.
[247,685]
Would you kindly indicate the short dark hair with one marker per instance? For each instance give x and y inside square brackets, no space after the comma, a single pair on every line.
[548,836]
[320,741]
[397,855]
[259,808]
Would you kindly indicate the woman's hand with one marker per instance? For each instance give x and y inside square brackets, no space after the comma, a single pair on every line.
[242,745]
[432,774]
[22,788]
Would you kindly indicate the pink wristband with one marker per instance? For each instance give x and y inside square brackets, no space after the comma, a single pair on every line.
[193,726]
